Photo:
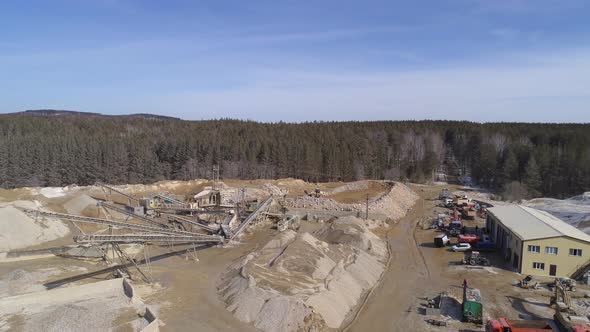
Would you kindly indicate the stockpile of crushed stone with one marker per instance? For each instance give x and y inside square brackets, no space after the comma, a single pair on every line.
[18,230]
[394,204]
[79,203]
[303,281]
[351,186]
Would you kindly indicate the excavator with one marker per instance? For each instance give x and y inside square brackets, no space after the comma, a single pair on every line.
[564,320]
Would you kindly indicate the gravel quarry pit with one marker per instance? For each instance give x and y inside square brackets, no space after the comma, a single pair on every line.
[304,281]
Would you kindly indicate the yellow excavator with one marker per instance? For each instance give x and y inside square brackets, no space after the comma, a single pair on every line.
[565,316]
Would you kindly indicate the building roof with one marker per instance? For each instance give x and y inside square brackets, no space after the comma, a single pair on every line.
[206,193]
[529,224]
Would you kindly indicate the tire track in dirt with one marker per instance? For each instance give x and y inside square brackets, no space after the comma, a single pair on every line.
[419,250]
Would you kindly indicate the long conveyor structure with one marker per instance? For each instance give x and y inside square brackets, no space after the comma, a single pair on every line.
[129,197]
[251,217]
[145,238]
[192,222]
[116,224]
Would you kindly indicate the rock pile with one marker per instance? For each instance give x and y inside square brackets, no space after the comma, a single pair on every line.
[304,281]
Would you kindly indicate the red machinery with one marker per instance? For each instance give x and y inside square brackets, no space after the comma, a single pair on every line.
[504,325]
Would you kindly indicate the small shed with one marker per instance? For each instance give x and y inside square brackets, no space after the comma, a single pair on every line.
[208,197]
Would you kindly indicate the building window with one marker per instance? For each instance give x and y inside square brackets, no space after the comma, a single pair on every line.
[538,266]
[536,249]
[551,250]
[575,252]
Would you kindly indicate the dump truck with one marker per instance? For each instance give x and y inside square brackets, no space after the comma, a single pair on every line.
[505,325]
[472,307]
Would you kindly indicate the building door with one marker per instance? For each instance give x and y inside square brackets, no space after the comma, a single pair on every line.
[552,270]
[515,261]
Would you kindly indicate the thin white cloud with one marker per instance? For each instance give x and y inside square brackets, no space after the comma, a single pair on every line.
[480,93]
[322,35]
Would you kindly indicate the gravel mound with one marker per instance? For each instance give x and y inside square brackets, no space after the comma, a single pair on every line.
[17,230]
[575,210]
[358,185]
[395,203]
[79,203]
[304,281]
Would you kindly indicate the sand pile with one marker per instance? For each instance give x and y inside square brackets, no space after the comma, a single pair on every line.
[358,185]
[274,190]
[323,203]
[303,281]
[100,306]
[79,203]
[395,203]
[52,192]
[290,182]
[17,230]
[575,210]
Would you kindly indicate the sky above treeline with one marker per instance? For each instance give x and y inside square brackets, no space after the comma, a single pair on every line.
[477,60]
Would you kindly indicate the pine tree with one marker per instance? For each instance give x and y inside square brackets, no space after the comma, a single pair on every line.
[533,179]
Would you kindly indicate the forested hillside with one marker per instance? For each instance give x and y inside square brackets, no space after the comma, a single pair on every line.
[45,150]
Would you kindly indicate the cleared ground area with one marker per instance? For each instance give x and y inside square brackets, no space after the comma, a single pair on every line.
[333,271]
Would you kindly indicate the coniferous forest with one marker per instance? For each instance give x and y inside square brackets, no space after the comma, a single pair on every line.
[62,148]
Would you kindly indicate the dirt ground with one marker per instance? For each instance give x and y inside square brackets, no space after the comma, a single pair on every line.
[419,270]
[187,298]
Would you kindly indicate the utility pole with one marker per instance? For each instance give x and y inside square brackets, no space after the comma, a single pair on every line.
[367,208]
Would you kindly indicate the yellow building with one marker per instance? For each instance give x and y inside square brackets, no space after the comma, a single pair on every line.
[537,242]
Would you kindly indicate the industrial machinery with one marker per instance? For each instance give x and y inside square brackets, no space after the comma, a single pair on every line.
[472,307]
[528,282]
[505,325]
[565,316]
[475,258]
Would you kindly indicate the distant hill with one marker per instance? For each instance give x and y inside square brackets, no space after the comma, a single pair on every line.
[67,113]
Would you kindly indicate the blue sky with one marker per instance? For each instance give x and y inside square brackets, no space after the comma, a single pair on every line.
[478,60]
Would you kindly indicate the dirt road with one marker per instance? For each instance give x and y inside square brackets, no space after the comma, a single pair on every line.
[408,276]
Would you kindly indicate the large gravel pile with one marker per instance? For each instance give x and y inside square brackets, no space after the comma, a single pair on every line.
[100,306]
[357,185]
[79,203]
[575,210]
[302,281]
[394,204]
[17,230]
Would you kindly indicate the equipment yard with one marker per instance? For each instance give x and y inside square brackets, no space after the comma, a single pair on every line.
[270,255]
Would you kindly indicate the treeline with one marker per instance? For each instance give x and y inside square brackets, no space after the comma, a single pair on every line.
[530,159]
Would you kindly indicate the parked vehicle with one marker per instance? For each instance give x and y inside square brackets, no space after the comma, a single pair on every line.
[467,238]
[441,240]
[461,247]
[483,245]
[444,193]
[475,258]
[505,325]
